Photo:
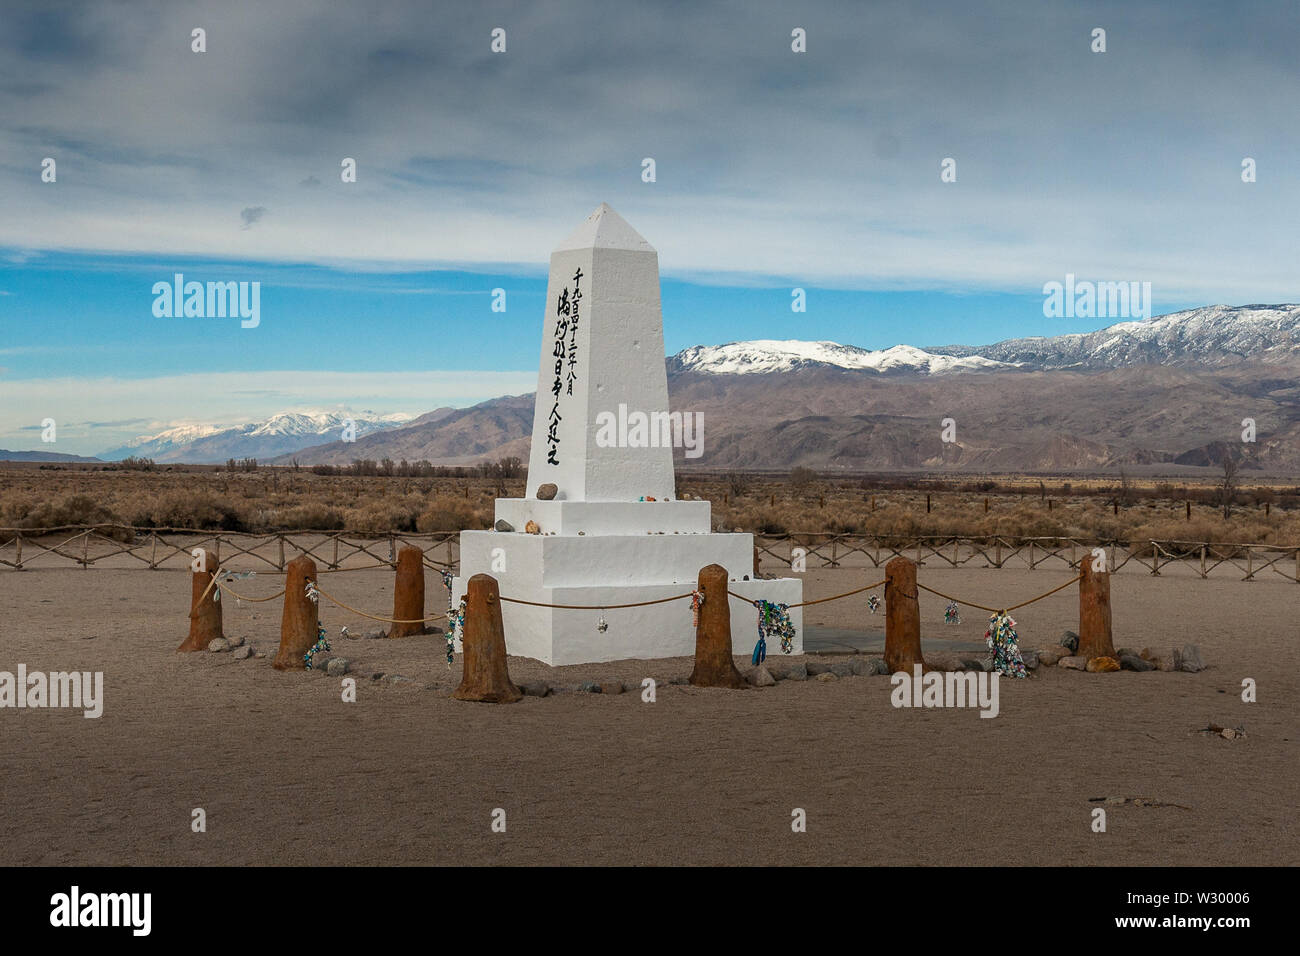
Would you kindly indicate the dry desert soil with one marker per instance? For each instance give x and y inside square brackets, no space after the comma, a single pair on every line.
[288,773]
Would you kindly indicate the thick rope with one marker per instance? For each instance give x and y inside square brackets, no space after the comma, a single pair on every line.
[1000,610]
[598,607]
[227,589]
[833,597]
[386,620]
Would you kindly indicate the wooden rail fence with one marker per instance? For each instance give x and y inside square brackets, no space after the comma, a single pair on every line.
[169,549]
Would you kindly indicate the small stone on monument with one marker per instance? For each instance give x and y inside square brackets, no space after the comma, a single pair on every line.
[547,491]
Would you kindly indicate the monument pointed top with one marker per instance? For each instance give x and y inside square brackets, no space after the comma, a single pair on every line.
[605,229]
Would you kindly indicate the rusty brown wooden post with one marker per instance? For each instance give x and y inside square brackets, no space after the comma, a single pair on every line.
[714,665]
[205,608]
[18,558]
[300,622]
[408,593]
[1094,612]
[485,678]
[1189,509]
[757,561]
[902,617]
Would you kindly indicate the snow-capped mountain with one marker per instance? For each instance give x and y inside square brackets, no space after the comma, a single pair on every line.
[1215,335]
[770,355]
[281,434]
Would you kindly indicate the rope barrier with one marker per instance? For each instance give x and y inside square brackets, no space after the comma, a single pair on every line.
[386,620]
[611,607]
[227,589]
[999,610]
[597,607]
[833,597]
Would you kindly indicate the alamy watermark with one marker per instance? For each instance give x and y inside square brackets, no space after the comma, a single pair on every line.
[635,429]
[949,689]
[1096,300]
[59,689]
[213,300]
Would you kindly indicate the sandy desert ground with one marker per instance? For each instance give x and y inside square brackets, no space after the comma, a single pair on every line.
[288,773]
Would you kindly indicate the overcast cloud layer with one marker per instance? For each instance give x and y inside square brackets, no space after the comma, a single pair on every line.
[817,167]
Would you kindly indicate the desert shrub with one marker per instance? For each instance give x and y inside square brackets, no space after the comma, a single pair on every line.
[450,514]
[180,509]
[70,510]
[312,516]
[379,516]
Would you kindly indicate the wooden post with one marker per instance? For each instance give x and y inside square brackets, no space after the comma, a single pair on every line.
[997,552]
[714,665]
[1188,503]
[1031,555]
[408,593]
[873,502]
[902,617]
[300,622]
[1094,612]
[757,561]
[153,553]
[1250,563]
[280,539]
[205,614]
[986,506]
[486,677]
[335,562]
[1203,561]
[927,504]
[18,560]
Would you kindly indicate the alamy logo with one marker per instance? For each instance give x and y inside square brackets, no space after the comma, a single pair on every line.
[1096,300]
[213,300]
[950,689]
[653,430]
[74,908]
[73,689]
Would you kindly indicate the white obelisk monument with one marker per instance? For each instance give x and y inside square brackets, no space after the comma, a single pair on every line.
[612,534]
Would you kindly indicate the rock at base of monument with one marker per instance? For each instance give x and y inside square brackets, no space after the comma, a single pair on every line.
[1030,658]
[815,667]
[1073,663]
[218,644]
[1071,640]
[547,492]
[762,677]
[338,666]
[1166,663]
[1102,665]
[797,671]
[588,687]
[536,688]
[1050,657]
[235,642]
[376,634]
[1131,662]
[1188,659]
[532,528]
[826,677]
[879,668]
[611,687]
[242,653]
[504,525]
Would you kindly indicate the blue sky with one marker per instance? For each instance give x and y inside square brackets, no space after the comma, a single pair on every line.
[91,315]
[774,169]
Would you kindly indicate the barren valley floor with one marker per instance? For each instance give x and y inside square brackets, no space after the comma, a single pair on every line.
[288,773]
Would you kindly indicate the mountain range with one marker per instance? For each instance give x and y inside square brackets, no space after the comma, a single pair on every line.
[1168,393]
[281,434]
